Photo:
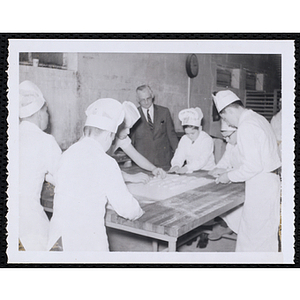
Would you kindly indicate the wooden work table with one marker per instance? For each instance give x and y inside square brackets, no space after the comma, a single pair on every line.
[170,219]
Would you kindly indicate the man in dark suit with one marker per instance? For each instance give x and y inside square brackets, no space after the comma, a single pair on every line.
[154,135]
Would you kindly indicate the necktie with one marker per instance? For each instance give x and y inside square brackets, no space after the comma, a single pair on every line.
[149,120]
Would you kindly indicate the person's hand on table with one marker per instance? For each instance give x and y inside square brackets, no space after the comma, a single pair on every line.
[174,169]
[223,178]
[137,217]
[216,172]
[182,170]
[158,172]
[138,177]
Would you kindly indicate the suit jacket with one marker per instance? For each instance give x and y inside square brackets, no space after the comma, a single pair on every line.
[157,145]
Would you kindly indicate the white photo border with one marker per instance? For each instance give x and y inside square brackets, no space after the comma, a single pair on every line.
[283,47]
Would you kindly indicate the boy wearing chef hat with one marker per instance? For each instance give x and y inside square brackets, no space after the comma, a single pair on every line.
[195,148]
[39,154]
[257,147]
[124,142]
[87,180]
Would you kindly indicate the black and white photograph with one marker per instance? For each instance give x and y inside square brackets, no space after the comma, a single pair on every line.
[151,151]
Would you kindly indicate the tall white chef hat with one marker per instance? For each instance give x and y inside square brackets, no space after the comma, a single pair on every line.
[105,113]
[226,127]
[224,98]
[31,99]
[131,113]
[191,116]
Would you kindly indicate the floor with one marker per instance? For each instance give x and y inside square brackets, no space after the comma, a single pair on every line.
[122,241]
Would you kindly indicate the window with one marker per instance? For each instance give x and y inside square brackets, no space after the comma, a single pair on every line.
[48,60]
[223,77]
[250,81]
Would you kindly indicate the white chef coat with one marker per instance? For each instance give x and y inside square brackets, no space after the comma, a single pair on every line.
[277,127]
[230,158]
[118,143]
[198,154]
[257,147]
[39,154]
[86,179]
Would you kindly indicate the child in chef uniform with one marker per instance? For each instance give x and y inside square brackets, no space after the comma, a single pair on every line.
[87,180]
[195,149]
[123,142]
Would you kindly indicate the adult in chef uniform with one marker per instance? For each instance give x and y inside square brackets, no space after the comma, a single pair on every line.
[123,141]
[257,146]
[39,154]
[87,179]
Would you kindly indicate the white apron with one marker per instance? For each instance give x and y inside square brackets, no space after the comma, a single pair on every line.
[258,230]
[231,160]
[257,145]
[233,218]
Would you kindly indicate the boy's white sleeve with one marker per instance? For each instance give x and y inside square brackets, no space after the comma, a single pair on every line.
[52,157]
[224,162]
[118,195]
[249,141]
[206,148]
[179,155]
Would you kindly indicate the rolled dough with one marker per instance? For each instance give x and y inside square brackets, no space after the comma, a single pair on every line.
[172,185]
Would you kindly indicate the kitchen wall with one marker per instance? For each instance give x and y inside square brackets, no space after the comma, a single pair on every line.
[116,75]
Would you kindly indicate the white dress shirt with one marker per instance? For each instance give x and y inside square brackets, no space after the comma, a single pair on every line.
[151,112]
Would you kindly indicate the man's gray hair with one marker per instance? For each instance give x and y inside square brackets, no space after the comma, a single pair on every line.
[145,87]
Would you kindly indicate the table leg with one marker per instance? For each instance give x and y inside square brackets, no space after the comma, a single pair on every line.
[172,246]
[154,245]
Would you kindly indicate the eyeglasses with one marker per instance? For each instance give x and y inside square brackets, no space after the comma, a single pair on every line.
[228,136]
[146,99]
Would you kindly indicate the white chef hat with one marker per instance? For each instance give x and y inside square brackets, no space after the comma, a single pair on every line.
[31,99]
[191,116]
[224,98]
[105,113]
[131,113]
[226,127]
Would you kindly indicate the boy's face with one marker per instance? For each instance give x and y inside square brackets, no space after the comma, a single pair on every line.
[230,117]
[192,133]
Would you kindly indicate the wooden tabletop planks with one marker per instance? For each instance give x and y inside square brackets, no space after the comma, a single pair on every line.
[182,213]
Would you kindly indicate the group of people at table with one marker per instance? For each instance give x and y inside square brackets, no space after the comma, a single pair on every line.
[87,179]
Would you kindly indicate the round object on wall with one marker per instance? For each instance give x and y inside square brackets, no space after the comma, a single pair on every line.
[192,65]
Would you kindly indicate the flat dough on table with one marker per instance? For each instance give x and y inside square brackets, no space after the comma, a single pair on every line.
[172,185]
